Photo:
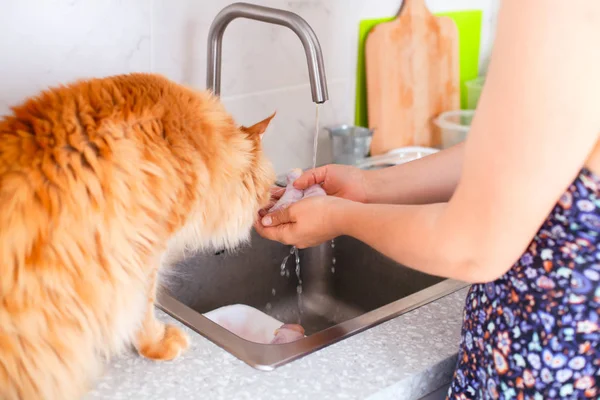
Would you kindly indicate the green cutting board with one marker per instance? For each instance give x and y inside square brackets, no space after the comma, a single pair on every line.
[469,32]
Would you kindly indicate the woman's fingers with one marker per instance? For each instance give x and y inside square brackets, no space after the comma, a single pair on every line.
[311,177]
[276,192]
[275,233]
[279,217]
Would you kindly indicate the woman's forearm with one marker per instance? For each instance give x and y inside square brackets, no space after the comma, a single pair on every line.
[431,179]
[420,237]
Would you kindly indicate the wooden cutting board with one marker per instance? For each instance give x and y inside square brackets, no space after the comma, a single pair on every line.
[412,71]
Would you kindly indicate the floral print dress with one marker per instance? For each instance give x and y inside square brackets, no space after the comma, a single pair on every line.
[533,333]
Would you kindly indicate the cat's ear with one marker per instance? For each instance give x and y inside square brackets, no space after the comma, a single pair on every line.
[258,128]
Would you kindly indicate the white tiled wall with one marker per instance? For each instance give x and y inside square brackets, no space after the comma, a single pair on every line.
[47,42]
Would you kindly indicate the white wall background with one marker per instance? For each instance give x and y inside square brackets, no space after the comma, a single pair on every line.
[48,42]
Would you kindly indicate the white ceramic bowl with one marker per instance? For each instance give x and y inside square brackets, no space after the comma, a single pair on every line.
[396,156]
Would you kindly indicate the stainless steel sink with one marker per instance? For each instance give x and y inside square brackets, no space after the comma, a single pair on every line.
[362,289]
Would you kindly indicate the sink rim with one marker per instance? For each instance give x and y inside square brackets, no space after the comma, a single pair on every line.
[267,357]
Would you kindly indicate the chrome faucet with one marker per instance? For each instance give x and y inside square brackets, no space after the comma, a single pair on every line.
[307,36]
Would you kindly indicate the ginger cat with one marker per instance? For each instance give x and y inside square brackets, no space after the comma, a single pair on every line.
[99,180]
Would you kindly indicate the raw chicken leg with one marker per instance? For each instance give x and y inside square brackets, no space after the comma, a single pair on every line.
[292,195]
[288,333]
[314,190]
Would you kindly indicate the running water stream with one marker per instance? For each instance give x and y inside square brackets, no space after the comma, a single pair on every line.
[283,271]
[316,138]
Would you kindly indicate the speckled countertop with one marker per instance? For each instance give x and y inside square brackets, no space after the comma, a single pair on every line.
[404,358]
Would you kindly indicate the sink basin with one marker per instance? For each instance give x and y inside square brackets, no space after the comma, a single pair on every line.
[358,290]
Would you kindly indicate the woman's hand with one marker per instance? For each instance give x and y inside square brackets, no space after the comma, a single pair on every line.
[337,180]
[276,193]
[307,223]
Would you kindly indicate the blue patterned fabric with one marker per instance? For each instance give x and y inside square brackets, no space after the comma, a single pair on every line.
[533,333]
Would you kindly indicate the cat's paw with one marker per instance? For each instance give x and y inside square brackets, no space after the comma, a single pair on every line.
[173,342]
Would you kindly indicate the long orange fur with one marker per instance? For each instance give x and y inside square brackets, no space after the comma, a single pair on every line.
[102,182]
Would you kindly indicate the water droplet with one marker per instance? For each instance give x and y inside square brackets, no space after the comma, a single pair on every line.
[284,262]
[269,306]
[298,267]
[333,260]
[286,272]
[273,292]
[333,270]
[332,243]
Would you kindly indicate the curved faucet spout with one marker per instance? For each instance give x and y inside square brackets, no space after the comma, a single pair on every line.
[312,48]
